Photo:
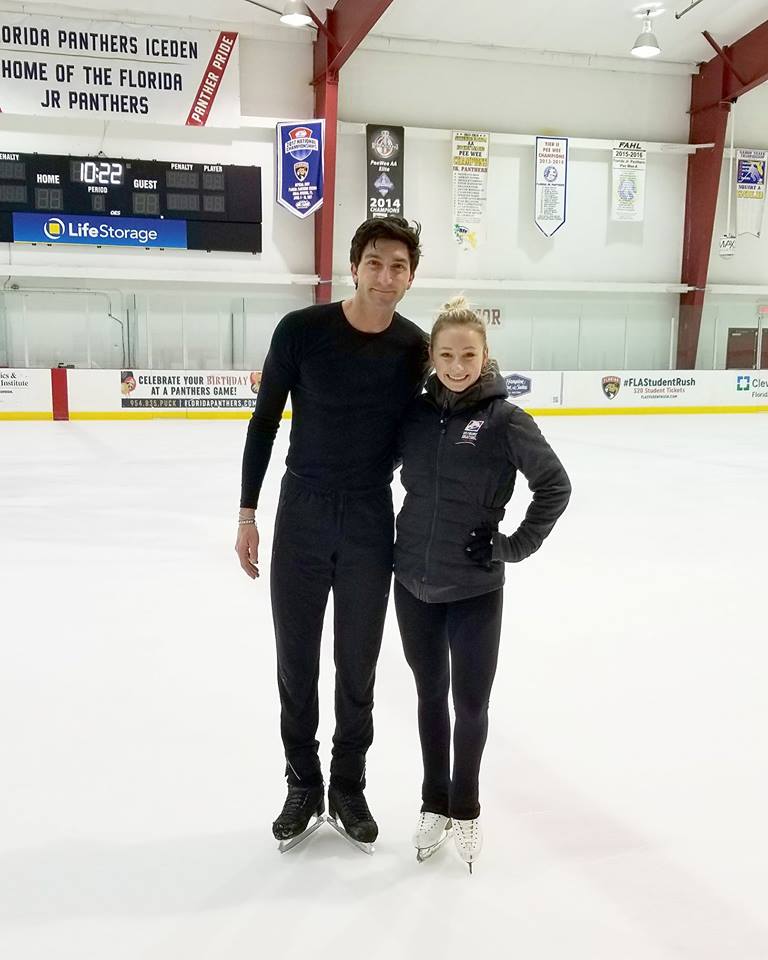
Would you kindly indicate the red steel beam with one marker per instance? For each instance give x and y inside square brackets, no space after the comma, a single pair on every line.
[346,26]
[327,106]
[712,91]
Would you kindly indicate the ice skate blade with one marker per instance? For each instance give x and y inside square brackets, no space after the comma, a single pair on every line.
[367,848]
[285,845]
[424,853]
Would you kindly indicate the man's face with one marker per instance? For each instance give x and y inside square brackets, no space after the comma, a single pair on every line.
[383,274]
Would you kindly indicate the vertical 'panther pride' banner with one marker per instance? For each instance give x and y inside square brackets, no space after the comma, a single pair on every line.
[385,152]
[551,183]
[300,166]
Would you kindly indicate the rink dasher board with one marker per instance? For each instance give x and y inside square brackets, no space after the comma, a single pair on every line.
[631,392]
[25,394]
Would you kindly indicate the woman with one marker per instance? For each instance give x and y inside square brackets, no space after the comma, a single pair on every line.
[462,444]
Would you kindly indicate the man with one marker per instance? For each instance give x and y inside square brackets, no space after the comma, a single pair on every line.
[351,369]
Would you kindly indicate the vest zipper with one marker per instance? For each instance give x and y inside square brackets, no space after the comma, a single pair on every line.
[443,418]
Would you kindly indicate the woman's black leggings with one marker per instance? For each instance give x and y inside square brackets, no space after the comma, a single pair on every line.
[469,630]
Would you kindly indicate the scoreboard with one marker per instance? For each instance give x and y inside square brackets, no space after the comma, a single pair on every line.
[47,198]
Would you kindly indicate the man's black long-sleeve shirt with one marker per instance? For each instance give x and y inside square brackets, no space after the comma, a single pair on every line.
[348,391]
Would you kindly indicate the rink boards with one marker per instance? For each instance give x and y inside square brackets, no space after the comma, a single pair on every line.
[223,394]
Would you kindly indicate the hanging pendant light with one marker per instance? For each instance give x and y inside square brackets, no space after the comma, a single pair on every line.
[295,14]
[646,45]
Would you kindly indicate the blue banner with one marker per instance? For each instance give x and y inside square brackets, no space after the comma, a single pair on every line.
[101,231]
[300,166]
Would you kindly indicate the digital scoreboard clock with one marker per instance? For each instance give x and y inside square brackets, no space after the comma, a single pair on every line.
[106,201]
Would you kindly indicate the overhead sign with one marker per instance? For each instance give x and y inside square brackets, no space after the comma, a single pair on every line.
[385,155]
[300,145]
[551,183]
[53,66]
[99,231]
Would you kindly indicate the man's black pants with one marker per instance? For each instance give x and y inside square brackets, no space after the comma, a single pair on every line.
[451,646]
[329,540]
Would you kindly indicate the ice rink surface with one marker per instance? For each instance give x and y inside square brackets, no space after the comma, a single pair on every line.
[624,785]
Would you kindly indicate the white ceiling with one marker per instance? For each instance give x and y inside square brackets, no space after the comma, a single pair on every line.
[598,27]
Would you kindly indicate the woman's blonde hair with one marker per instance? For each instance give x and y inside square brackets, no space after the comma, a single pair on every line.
[458,313]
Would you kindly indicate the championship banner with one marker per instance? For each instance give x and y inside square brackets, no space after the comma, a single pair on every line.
[385,152]
[628,189]
[300,147]
[750,190]
[172,389]
[470,187]
[53,67]
[551,183]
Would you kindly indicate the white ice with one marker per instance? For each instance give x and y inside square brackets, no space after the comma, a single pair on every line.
[624,785]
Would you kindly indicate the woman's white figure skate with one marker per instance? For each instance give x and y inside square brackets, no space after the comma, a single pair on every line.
[431,833]
[469,840]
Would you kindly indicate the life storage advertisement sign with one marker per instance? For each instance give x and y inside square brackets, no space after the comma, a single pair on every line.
[50,66]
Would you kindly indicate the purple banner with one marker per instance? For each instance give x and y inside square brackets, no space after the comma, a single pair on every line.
[300,166]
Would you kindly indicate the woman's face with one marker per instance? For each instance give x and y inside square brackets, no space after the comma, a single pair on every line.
[458,355]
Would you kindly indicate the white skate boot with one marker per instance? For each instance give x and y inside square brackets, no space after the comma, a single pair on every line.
[431,833]
[469,840]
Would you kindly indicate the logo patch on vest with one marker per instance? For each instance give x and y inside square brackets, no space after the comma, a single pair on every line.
[470,432]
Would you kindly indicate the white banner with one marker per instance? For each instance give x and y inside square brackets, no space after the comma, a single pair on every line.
[186,389]
[750,190]
[551,183]
[25,391]
[162,393]
[470,187]
[52,67]
[628,189]
[672,389]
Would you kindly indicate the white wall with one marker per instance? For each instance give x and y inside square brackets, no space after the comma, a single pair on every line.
[170,319]
[274,80]
[750,262]
[436,91]
[573,331]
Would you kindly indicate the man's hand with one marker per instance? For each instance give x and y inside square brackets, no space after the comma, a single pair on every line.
[247,548]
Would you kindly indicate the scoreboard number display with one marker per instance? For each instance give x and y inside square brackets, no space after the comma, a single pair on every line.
[46,198]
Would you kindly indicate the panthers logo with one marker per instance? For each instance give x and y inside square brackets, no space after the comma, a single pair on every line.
[611,386]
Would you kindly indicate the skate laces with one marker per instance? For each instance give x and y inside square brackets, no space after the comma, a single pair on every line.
[468,831]
[427,820]
[356,805]
[295,800]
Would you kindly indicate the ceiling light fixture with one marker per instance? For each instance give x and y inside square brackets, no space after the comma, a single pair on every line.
[646,45]
[295,12]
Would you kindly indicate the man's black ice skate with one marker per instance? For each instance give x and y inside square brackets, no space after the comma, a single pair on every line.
[349,814]
[301,804]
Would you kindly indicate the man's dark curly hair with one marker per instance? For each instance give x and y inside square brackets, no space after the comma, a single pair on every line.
[386,228]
